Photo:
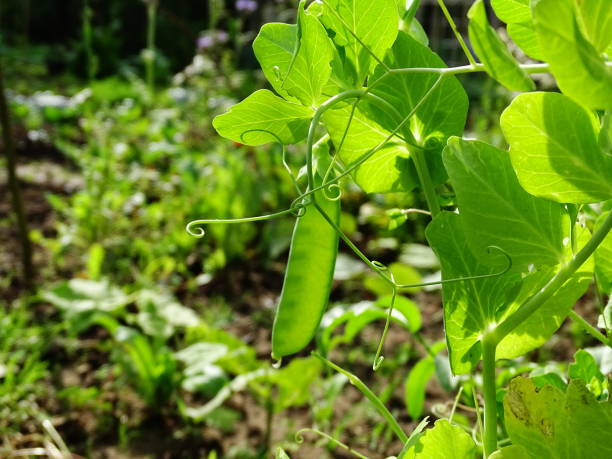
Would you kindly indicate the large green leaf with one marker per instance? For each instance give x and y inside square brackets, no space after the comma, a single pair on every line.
[517,15]
[473,306]
[390,168]
[538,329]
[363,29]
[497,211]
[441,115]
[469,306]
[512,11]
[295,59]
[554,148]
[578,67]
[262,111]
[443,441]
[551,424]
[496,58]
[596,17]
[603,261]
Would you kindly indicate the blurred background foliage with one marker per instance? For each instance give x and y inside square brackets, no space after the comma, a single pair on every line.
[142,341]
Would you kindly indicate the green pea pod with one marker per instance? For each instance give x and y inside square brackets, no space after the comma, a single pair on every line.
[308,279]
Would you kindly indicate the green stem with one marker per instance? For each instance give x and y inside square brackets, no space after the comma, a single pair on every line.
[150,56]
[418,156]
[590,329]
[13,181]
[460,39]
[371,396]
[490,400]
[536,301]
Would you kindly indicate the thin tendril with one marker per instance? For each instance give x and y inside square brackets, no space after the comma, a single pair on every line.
[299,438]
[193,229]
[378,358]
[451,22]
[284,153]
[461,279]
[455,403]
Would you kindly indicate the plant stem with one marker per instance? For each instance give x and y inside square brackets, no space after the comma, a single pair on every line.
[150,55]
[418,156]
[534,303]
[590,329]
[87,41]
[16,196]
[490,400]
[460,39]
[371,396]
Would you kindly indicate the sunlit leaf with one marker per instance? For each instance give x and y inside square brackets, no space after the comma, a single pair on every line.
[496,58]
[248,121]
[554,148]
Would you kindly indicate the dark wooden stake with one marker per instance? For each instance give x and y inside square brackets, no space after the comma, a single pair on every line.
[17,200]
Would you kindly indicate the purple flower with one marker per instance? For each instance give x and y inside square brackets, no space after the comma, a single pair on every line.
[205,42]
[246,6]
[221,37]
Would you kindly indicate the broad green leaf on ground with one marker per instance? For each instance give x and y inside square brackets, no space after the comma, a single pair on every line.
[390,169]
[296,60]
[596,16]
[517,15]
[470,306]
[554,149]
[443,441]
[497,211]
[555,425]
[263,111]
[403,274]
[416,384]
[578,67]
[494,55]
[603,260]
[585,367]
[362,29]
[355,317]
[441,115]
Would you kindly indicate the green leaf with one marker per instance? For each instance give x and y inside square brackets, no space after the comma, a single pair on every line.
[469,306]
[555,425]
[554,148]
[517,15]
[585,367]
[473,306]
[281,454]
[603,260]
[443,441]
[511,452]
[294,382]
[416,384]
[389,169]
[512,11]
[596,18]
[496,58]
[444,112]
[605,134]
[263,111]
[363,29]
[579,69]
[538,329]
[403,274]
[497,211]
[524,35]
[297,65]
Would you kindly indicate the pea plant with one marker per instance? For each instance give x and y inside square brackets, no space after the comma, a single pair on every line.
[528,228]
